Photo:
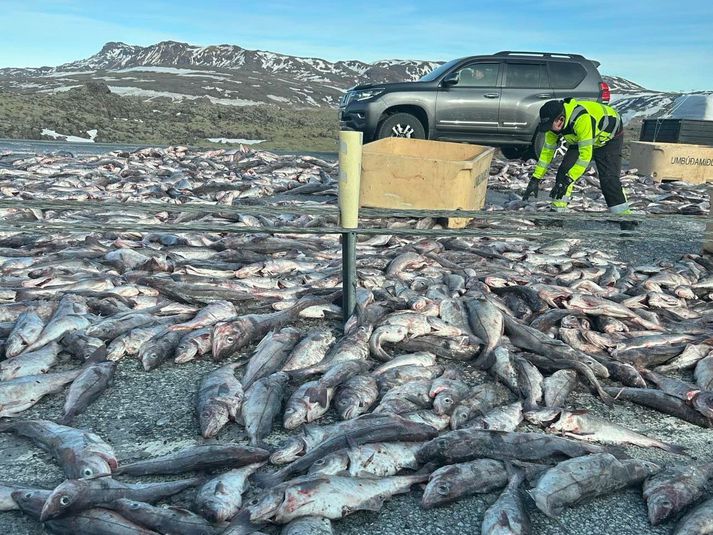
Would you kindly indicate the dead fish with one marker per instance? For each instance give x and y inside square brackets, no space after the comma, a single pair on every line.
[697,522]
[81,454]
[263,402]
[87,387]
[486,322]
[26,331]
[84,347]
[75,495]
[228,337]
[704,373]
[576,480]
[656,399]
[194,344]
[672,490]
[207,316]
[456,481]
[584,426]
[159,349]
[34,362]
[508,514]
[219,398]
[467,444]
[558,386]
[22,393]
[529,382]
[304,407]
[162,519]
[200,457]
[309,351]
[220,499]
[356,396]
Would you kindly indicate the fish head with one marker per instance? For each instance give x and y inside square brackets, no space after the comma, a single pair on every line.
[228,337]
[703,403]
[213,418]
[331,464]
[350,407]
[545,417]
[93,466]
[294,448]
[262,507]
[444,403]
[62,498]
[294,416]
[30,501]
[185,352]
[660,507]
[460,416]
[438,492]
[215,509]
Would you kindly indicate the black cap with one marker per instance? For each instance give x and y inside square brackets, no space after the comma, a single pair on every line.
[549,111]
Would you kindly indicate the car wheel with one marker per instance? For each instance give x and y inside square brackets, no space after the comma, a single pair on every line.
[514,152]
[401,125]
[537,143]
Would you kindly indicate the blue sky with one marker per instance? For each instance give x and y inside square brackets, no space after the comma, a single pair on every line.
[659,44]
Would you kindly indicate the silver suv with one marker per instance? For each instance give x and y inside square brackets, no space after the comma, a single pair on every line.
[489,100]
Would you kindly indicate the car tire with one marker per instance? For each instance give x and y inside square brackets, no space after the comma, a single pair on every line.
[401,125]
[513,152]
[537,143]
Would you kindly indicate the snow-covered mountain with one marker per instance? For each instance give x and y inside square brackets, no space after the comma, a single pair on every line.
[231,75]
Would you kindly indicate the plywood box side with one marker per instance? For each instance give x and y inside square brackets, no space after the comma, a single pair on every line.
[673,161]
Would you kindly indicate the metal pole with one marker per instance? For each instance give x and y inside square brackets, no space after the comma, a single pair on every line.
[350,144]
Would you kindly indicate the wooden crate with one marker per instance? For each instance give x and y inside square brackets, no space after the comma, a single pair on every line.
[404,173]
[673,161]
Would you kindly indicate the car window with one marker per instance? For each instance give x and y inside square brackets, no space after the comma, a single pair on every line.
[526,75]
[435,73]
[564,75]
[479,75]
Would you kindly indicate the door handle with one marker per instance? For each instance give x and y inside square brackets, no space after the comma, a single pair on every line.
[491,95]
[544,95]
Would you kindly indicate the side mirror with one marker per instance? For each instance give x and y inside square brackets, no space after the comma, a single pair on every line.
[450,80]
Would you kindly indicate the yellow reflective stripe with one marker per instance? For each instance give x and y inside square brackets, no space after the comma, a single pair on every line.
[622,208]
[548,146]
[585,143]
[583,163]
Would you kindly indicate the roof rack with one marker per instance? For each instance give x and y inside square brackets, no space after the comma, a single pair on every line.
[539,54]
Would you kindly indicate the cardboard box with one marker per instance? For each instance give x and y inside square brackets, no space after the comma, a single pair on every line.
[673,161]
[404,173]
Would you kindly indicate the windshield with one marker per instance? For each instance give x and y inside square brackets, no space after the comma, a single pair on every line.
[438,71]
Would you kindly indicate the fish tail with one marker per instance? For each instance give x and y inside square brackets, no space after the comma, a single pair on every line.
[674,448]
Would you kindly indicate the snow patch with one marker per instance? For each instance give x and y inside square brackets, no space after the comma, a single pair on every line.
[72,139]
[235,140]
[150,93]
[278,99]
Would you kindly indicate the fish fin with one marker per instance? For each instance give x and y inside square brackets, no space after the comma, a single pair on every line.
[675,448]
[504,521]
[241,524]
[427,468]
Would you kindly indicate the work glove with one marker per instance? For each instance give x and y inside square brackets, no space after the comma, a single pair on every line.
[533,188]
[561,186]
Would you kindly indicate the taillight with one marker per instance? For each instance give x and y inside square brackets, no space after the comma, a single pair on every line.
[604,92]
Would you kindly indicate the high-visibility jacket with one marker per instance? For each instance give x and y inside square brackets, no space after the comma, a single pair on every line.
[589,125]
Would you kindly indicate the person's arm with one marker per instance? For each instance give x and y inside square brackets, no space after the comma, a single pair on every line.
[547,154]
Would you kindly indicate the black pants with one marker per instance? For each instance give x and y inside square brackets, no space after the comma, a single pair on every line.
[608,160]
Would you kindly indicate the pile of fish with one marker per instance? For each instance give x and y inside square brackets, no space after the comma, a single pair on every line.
[645,195]
[176,175]
[465,368]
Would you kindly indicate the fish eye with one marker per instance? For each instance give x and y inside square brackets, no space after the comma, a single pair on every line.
[254,501]
[230,339]
[28,495]
[319,461]
[87,472]
[443,489]
[448,401]
[64,500]
[134,505]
